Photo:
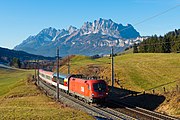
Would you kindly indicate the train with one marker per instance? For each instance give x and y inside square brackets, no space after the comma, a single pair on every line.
[85,89]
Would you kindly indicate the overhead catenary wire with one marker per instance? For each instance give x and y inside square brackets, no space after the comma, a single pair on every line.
[152,17]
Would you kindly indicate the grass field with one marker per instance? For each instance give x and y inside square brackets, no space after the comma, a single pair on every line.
[134,71]
[22,100]
[138,72]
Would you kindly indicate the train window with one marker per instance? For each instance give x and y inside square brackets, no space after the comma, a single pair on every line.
[61,80]
[54,78]
[43,75]
[48,77]
[99,87]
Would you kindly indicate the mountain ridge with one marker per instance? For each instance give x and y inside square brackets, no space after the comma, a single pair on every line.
[98,35]
[6,55]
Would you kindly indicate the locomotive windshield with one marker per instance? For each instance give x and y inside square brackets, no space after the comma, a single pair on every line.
[99,87]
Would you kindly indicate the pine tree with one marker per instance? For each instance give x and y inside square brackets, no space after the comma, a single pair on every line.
[167,44]
[15,62]
[135,49]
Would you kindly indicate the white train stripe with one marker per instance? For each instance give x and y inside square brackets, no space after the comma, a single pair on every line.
[54,83]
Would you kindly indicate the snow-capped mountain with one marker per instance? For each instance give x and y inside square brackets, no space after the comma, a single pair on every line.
[110,28]
[92,38]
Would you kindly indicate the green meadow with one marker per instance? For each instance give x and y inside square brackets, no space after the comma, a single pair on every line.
[20,99]
[139,72]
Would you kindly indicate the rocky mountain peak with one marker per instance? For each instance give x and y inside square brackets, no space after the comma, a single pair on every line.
[71,29]
[106,27]
[49,31]
[98,35]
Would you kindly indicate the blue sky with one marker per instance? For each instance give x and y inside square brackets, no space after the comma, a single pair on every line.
[22,18]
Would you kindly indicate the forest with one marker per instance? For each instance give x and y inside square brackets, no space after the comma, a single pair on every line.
[169,43]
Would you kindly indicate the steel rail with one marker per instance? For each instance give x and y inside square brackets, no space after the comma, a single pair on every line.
[145,112]
[105,112]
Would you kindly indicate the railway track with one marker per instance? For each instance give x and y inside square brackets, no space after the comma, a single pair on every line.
[113,110]
[93,110]
[139,113]
[106,112]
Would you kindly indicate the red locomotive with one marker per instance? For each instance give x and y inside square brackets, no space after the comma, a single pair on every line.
[88,90]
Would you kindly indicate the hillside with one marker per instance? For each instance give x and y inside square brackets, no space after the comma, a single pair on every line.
[6,55]
[20,99]
[137,72]
[171,105]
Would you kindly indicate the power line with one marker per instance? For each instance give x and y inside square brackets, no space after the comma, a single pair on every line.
[157,15]
[152,17]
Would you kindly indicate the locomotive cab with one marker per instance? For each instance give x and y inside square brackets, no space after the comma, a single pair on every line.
[89,90]
[99,91]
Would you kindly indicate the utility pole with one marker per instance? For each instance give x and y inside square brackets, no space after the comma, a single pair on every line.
[38,72]
[68,65]
[35,70]
[57,78]
[112,67]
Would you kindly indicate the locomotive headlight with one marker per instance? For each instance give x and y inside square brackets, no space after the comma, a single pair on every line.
[92,94]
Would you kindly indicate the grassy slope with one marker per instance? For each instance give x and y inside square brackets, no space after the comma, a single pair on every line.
[135,71]
[22,100]
[146,71]
[139,72]
[171,105]
[10,78]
